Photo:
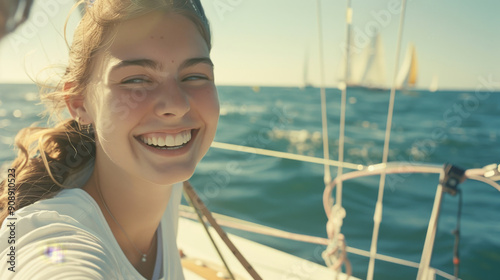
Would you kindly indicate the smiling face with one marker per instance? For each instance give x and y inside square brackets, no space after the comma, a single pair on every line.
[153,100]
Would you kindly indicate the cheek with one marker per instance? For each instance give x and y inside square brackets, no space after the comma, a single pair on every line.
[123,106]
[106,116]
[208,104]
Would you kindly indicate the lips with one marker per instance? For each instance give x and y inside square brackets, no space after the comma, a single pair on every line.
[161,140]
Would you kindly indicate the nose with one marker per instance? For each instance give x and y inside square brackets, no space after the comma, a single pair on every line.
[172,100]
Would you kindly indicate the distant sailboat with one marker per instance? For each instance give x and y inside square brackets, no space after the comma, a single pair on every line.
[434,84]
[306,83]
[371,73]
[407,77]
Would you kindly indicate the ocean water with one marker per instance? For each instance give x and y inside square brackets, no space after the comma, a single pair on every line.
[462,128]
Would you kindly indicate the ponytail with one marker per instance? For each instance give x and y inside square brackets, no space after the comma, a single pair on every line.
[46,158]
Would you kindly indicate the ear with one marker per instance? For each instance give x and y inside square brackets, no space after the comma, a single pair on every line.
[76,106]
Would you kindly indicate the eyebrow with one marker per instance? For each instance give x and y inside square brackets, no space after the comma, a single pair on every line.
[148,63]
[196,60]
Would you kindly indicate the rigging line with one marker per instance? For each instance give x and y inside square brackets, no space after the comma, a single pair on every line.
[200,219]
[324,125]
[338,196]
[230,222]
[198,203]
[257,151]
[377,217]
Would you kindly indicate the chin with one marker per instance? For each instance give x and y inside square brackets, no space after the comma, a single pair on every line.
[171,176]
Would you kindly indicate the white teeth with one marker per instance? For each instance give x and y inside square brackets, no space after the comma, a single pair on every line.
[169,140]
[179,139]
[161,141]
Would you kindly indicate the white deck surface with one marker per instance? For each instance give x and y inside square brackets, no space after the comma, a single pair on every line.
[270,263]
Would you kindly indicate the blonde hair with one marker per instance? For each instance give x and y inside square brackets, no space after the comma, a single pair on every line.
[48,156]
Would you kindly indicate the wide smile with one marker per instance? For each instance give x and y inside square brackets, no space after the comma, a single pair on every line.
[167,142]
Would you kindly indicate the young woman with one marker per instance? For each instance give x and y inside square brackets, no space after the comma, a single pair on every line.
[96,196]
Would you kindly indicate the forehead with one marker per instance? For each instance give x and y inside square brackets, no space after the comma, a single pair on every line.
[157,34]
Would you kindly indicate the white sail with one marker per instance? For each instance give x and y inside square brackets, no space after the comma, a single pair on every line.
[407,77]
[374,74]
[434,84]
[368,70]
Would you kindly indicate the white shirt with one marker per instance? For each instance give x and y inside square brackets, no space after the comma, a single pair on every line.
[67,237]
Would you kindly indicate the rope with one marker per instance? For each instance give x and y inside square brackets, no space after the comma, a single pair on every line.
[377,217]
[226,221]
[324,124]
[200,218]
[343,100]
[335,253]
[283,155]
[200,206]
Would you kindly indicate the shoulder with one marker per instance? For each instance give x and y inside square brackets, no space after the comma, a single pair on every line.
[57,249]
[71,207]
[70,212]
[56,236]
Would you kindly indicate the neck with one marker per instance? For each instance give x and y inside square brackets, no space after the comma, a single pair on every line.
[133,209]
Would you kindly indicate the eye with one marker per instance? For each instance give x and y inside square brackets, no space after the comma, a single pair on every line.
[195,78]
[136,80]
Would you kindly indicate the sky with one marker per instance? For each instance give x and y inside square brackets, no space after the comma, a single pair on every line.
[275,42]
